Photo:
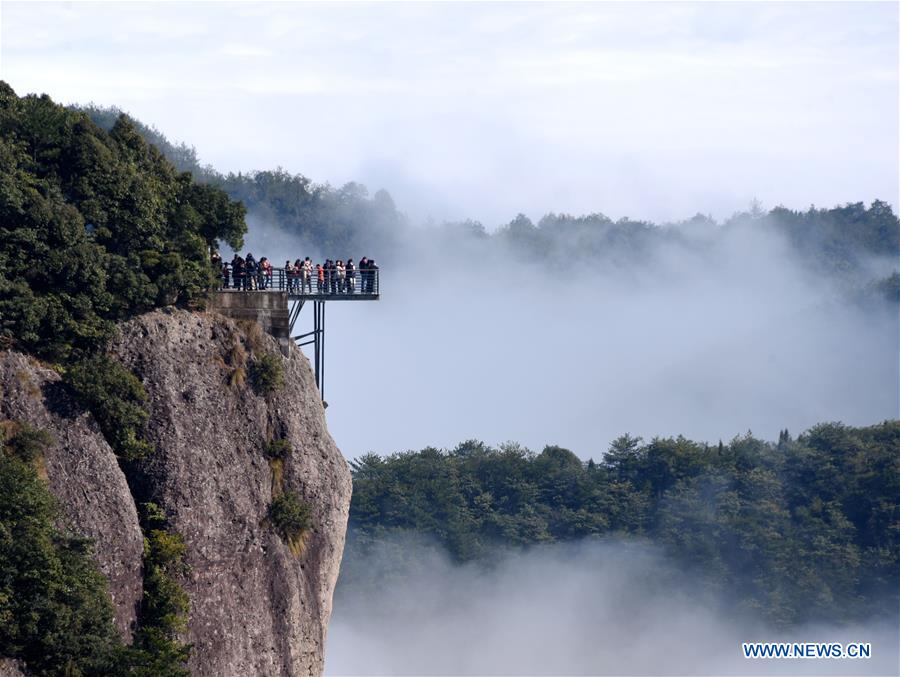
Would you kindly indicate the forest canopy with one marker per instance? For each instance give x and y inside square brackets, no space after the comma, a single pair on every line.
[325,218]
[800,530]
[95,226]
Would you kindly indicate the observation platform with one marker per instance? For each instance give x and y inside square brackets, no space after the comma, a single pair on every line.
[275,302]
[363,286]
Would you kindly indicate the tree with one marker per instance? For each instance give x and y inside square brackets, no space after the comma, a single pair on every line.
[95,227]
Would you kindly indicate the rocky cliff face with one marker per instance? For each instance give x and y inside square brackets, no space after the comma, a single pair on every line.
[83,475]
[256,607]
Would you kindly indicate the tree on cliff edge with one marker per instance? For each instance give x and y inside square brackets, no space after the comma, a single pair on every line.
[95,227]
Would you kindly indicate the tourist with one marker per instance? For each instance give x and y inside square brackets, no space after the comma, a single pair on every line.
[351,276]
[238,272]
[265,273]
[251,268]
[289,274]
[363,272]
[341,275]
[372,274]
[330,278]
[306,276]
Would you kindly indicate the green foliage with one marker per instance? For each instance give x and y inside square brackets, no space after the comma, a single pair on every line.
[290,515]
[838,242]
[838,239]
[277,449]
[157,648]
[25,441]
[331,219]
[94,227]
[117,399]
[889,287]
[55,613]
[800,530]
[266,374]
[165,604]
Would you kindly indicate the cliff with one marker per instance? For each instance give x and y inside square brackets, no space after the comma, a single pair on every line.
[83,474]
[257,605]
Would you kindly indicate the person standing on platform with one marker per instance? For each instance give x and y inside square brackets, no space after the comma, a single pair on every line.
[351,276]
[363,271]
[306,275]
[251,268]
[373,273]
[341,274]
[298,275]
[320,277]
[265,273]
[329,276]
[237,271]
[289,276]
[216,262]
[226,273]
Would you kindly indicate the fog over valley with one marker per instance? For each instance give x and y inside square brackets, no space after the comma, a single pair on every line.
[704,341]
[588,608]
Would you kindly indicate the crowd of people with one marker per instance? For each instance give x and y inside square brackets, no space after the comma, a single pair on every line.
[330,277]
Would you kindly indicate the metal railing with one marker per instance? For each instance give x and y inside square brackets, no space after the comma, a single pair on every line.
[359,284]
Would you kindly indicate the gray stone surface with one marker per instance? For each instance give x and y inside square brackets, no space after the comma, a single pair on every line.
[83,474]
[256,608]
[11,668]
[269,309]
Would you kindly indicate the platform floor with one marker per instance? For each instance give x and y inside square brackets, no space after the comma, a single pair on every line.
[293,296]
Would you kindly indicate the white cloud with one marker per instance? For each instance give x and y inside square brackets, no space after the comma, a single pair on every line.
[245,50]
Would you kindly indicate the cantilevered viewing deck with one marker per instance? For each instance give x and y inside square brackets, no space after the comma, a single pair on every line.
[274,301]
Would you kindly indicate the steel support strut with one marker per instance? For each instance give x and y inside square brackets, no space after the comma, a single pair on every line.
[321,335]
[318,344]
[369,290]
[318,340]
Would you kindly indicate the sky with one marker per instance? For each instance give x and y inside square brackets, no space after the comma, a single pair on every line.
[484,110]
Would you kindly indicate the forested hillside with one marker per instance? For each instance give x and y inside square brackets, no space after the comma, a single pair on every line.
[326,218]
[95,227]
[798,530]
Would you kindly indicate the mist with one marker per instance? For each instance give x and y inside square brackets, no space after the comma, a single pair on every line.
[704,337]
[588,608]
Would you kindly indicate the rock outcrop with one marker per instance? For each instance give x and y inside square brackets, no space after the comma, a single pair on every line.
[84,476]
[257,606]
